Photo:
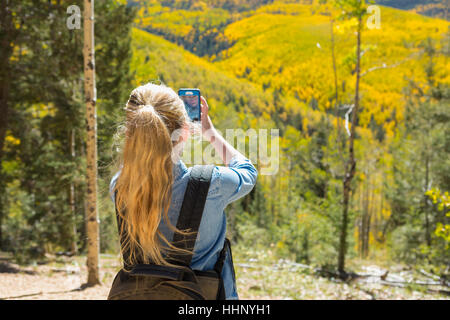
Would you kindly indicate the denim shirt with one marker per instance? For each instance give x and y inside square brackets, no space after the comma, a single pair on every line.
[227,185]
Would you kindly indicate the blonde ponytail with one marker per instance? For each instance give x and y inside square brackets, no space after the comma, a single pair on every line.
[144,186]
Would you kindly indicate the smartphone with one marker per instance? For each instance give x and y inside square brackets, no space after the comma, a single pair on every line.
[191,99]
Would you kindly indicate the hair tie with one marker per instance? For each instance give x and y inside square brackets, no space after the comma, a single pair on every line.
[133,101]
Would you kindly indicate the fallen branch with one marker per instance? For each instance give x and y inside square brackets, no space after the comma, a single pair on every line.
[399,285]
[429,275]
[420,283]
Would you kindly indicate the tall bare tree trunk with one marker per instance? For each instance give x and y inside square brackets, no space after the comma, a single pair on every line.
[91,145]
[350,167]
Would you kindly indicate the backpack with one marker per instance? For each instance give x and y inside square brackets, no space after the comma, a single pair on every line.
[157,282]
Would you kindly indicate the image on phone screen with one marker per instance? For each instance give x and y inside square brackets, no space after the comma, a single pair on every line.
[191,99]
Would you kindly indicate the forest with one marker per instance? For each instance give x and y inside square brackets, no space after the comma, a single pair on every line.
[361,102]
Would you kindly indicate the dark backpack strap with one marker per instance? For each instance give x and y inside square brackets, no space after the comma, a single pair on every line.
[222,256]
[218,267]
[191,212]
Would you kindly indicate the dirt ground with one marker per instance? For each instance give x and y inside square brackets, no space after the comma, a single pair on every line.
[61,278]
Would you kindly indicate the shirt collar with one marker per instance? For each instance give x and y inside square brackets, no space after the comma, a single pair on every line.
[179,169]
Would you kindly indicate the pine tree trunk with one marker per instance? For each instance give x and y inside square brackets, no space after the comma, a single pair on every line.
[91,145]
[350,167]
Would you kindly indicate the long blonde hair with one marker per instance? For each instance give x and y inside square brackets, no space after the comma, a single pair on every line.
[144,187]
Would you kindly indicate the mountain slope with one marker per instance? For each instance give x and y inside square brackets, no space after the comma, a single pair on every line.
[234,103]
[287,47]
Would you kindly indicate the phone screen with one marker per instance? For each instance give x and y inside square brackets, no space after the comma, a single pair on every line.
[191,99]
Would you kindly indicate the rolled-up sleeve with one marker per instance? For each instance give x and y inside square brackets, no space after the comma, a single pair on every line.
[237,180]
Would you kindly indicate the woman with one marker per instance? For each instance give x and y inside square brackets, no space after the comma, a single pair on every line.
[152,181]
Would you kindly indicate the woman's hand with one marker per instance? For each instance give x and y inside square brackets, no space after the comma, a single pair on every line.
[222,147]
[207,125]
